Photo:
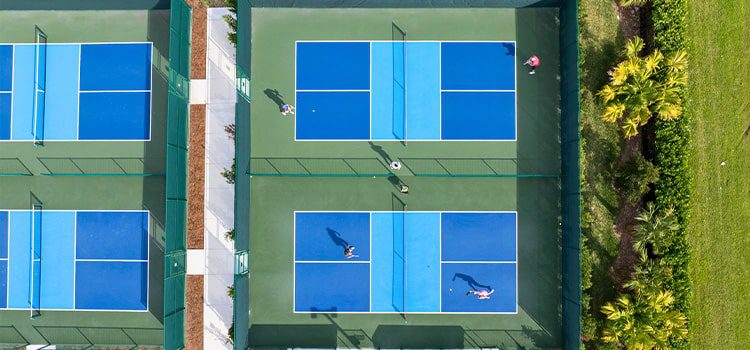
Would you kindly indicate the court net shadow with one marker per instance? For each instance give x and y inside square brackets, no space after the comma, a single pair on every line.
[418,337]
[284,336]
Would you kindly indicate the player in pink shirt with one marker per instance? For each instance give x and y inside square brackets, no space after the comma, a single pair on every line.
[533,62]
[481,294]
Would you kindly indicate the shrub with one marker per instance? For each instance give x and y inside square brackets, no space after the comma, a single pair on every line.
[231,20]
[653,231]
[231,173]
[672,142]
[644,320]
[640,87]
[635,176]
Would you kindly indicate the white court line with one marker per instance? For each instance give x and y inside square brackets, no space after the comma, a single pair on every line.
[86,210]
[440,265]
[392,41]
[332,261]
[294,265]
[409,313]
[370,262]
[516,242]
[75,254]
[440,102]
[78,108]
[406,264]
[75,235]
[477,90]
[12,101]
[7,276]
[81,43]
[112,260]
[515,96]
[333,90]
[440,88]
[109,91]
[370,91]
[78,140]
[478,262]
[295,89]
[77,310]
[394,140]
[415,211]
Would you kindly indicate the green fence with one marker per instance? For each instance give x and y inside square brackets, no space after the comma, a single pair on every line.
[425,167]
[102,166]
[13,167]
[570,138]
[242,184]
[176,175]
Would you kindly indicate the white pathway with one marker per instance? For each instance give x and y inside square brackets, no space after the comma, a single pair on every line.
[219,195]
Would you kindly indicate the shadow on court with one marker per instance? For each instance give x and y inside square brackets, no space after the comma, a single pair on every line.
[381,152]
[275,96]
[510,49]
[336,238]
[473,284]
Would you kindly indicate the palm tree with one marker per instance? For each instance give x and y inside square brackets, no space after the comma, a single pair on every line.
[643,321]
[642,86]
[649,277]
[626,3]
[653,230]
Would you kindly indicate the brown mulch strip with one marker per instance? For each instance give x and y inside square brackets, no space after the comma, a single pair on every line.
[627,258]
[194,312]
[196,182]
[630,20]
[198,44]
[196,176]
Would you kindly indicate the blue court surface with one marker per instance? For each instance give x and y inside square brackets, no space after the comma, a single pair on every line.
[74,260]
[406,262]
[399,91]
[75,92]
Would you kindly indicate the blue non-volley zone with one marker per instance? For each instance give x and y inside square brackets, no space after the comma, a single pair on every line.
[74,260]
[75,92]
[396,91]
[405,262]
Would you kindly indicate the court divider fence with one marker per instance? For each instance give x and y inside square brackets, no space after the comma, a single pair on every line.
[424,167]
[570,143]
[176,175]
[13,167]
[242,312]
[569,133]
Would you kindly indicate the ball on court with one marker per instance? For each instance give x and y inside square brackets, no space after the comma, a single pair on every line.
[450,289]
[313,111]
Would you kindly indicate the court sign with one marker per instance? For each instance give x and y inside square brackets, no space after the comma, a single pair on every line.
[243,84]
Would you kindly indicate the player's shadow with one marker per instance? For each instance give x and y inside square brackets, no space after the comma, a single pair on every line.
[473,284]
[510,49]
[336,238]
[381,152]
[275,96]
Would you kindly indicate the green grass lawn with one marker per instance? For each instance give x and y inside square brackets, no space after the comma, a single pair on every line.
[601,40]
[719,232]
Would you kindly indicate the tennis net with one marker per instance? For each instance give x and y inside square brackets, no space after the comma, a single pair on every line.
[40,84]
[399,83]
[398,294]
[36,261]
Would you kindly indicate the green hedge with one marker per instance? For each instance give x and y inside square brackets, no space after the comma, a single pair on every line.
[672,140]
